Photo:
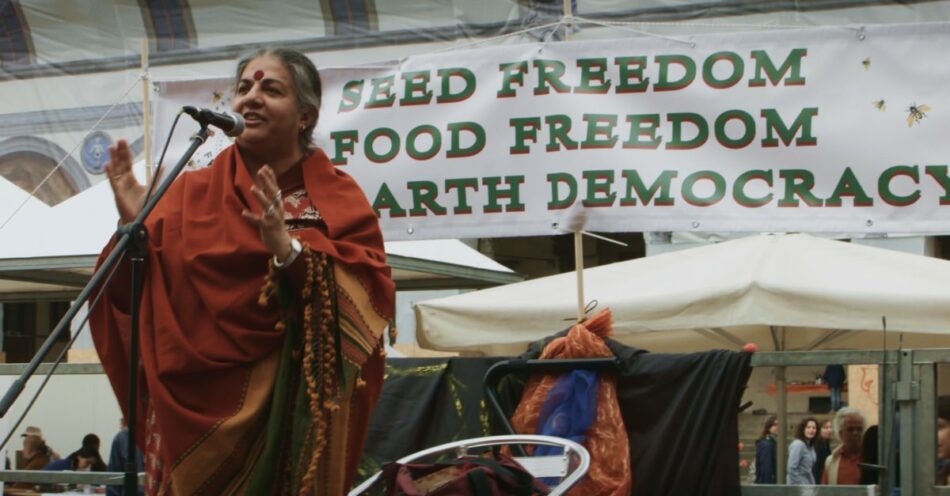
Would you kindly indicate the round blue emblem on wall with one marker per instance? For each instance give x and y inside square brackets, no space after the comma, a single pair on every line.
[95,152]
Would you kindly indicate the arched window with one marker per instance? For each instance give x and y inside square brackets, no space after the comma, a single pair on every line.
[26,161]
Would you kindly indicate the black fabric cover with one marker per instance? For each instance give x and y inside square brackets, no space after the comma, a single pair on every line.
[425,402]
[680,412]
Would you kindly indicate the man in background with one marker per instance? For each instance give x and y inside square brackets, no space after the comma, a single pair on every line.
[36,455]
[841,468]
[38,443]
[835,376]
[118,457]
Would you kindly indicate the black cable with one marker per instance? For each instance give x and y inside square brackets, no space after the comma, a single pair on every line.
[158,168]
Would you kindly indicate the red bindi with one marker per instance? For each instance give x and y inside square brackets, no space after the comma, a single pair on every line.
[258,75]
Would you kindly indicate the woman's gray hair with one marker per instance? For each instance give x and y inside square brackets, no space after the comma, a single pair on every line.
[844,413]
[305,79]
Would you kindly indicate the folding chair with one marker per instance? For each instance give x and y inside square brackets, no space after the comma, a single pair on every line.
[570,466]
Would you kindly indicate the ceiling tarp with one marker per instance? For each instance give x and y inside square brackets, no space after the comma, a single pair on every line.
[71,74]
[791,292]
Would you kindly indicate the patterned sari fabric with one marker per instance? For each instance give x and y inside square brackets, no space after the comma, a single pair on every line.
[609,472]
[253,381]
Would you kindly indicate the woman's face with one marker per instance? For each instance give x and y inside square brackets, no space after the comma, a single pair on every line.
[265,96]
[811,428]
[27,447]
[774,429]
[84,462]
[827,430]
[943,438]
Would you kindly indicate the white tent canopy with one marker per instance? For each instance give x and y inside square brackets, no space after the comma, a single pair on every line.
[783,292]
[49,252]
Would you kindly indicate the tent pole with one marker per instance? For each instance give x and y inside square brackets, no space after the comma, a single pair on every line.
[780,450]
[579,270]
[781,446]
[146,112]
[568,14]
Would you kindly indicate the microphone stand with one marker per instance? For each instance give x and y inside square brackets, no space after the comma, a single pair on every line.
[134,241]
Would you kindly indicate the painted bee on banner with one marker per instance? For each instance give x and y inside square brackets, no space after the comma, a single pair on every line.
[916,113]
[866,63]
[880,105]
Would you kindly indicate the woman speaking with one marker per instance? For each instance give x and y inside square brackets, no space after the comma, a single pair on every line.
[265,300]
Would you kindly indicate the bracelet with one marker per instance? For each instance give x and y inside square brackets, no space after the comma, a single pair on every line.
[295,249]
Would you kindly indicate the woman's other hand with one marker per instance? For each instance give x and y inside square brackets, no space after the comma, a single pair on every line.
[270,222]
[129,193]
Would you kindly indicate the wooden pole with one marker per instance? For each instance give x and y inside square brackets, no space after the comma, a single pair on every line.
[578,235]
[579,270]
[146,112]
[568,14]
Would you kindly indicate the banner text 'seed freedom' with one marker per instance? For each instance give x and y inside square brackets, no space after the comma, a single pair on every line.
[608,187]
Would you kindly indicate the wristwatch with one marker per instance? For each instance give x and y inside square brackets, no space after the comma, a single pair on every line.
[295,249]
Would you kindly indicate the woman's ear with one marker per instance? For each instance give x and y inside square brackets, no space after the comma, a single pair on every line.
[309,118]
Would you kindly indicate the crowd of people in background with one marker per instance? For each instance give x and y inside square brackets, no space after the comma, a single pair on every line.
[37,455]
[854,461]
[810,458]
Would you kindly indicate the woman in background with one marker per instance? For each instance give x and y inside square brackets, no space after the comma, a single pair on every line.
[765,446]
[823,448]
[801,454]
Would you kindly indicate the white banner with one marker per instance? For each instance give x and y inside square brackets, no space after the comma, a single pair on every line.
[841,129]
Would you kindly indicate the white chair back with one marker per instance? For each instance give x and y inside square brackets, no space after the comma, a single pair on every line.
[570,466]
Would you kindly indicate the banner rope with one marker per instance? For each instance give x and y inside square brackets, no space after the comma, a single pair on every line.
[626,26]
[496,38]
[706,25]
[142,76]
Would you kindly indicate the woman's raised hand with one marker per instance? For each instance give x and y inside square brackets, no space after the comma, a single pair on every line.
[270,222]
[129,193]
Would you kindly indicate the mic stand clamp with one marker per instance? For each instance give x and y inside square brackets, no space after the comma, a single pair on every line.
[138,243]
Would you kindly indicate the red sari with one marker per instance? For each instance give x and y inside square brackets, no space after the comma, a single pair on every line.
[245,395]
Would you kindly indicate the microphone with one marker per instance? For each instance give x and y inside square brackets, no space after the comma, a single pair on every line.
[232,123]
